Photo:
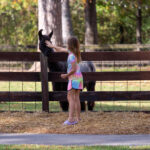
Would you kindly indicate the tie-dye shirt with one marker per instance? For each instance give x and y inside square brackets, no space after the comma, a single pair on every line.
[76,79]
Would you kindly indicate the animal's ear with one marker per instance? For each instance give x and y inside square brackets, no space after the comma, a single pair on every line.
[50,35]
[40,34]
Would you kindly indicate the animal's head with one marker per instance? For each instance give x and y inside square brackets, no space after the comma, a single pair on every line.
[42,46]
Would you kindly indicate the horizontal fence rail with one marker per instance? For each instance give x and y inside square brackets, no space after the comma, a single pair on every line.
[104,56]
[116,46]
[84,96]
[91,46]
[19,56]
[20,76]
[86,56]
[106,76]
[88,76]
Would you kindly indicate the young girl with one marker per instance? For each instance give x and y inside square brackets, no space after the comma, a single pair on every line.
[75,79]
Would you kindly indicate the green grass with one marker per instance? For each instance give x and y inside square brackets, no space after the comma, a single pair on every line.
[122,106]
[42,147]
[100,86]
[99,106]
[28,106]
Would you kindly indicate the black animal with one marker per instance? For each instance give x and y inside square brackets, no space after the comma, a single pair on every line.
[62,67]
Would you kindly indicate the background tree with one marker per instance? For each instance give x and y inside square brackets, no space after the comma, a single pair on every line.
[49,16]
[116,21]
[18,23]
[67,29]
[78,23]
[134,9]
[139,22]
[90,22]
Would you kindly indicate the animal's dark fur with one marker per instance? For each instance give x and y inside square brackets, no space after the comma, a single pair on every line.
[62,67]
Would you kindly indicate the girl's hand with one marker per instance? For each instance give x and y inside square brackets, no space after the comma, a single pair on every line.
[64,76]
[48,44]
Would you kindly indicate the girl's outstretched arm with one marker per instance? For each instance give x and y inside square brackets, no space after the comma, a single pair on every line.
[57,48]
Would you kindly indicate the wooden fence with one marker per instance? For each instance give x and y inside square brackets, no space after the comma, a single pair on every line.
[43,76]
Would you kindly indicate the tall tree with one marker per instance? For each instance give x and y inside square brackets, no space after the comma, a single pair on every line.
[18,23]
[67,29]
[135,8]
[49,16]
[139,23]
[90,22]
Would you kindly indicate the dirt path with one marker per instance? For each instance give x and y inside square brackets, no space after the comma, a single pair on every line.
[91,123]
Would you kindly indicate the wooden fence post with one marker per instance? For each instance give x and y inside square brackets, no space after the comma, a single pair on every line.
[44,82]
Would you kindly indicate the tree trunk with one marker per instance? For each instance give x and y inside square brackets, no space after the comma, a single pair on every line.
[90,22]
[67,29]
[121,33]
[139,25]
[49,18]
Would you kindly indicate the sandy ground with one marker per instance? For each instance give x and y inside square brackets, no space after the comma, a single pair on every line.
[91,123]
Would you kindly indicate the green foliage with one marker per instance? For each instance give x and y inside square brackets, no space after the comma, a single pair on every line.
[77,12]
[126,12]
[112,15]
[18,22]
[110,19]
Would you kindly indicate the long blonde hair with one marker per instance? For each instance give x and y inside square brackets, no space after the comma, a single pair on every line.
[74,47]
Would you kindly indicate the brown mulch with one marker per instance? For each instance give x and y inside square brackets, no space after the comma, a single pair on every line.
[91,123]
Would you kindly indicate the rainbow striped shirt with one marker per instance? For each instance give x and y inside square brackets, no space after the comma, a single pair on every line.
[77,76]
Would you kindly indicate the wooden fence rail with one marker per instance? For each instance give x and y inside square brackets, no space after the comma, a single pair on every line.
[88,96]
[55,77]
[86,56]
[88,76]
